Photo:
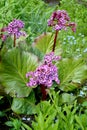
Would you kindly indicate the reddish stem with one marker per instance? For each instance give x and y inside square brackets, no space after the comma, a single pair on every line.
[43,91]
[55,38]
[14,40]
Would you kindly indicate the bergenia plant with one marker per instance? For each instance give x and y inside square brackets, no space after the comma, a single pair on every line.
[45,74]
[14,28]
[60,20]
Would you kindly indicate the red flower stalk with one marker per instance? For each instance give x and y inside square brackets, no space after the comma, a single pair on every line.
[60,20]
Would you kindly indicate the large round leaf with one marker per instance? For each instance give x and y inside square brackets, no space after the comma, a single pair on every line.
[24,105]
[13,68]
[72,73]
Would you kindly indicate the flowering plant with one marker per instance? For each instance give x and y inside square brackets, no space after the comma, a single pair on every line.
[46,73]
[23,74]
[14,29]
[52,68]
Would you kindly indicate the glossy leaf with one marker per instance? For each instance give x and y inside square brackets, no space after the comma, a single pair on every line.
[44,43]
[13,68]
[24,105]
[72,73]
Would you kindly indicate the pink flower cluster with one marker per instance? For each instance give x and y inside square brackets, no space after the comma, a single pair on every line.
[49,58]
[60,20]
[44,74]
[14,28]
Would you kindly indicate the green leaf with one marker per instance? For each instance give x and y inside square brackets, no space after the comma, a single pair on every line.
[16,124]
[9,123]
[72,73]
[23,106]
[2,114]
[1,97]
[13,68]
[41,121]
[84,104]
[54,126]
[44,43]
[67,98]
[78,120]
[25,126]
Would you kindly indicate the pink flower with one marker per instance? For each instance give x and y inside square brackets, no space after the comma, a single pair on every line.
[60,20]
[46,73]
[51,57]
[14,27]
[73,26]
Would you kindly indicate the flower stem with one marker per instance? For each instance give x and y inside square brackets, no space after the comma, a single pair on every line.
[14,40]
[55,38]
[43,90]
